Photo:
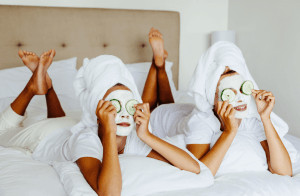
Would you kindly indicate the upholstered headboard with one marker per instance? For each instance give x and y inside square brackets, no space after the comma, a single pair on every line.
[85,32]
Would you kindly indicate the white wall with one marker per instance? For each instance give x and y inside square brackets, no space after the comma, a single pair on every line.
[268,34]
[198,19]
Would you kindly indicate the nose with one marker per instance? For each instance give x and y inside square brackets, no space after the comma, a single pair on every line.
[125,116]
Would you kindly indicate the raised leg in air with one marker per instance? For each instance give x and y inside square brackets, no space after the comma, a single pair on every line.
[33,62]
[157,89]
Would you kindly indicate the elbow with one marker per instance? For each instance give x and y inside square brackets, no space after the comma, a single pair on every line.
[196,168]
[109,191]
[282,172]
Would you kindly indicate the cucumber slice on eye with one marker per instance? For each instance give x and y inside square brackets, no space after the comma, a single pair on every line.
[117,104]
[227,94]
[247,87]
[130,106]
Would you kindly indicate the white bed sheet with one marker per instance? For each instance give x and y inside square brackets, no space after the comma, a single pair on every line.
[20,175]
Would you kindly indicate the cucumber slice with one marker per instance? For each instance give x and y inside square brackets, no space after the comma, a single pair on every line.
[247,87]
[117,104]
[130,106]
[227,94]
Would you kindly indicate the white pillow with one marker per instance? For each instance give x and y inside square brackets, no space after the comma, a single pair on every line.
[62,73]
[140,175]
[140,71]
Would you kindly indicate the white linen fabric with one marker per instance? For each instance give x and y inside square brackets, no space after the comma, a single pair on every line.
[93,79]
[204,82]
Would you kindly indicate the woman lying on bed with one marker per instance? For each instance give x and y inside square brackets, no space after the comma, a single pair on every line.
[232,128]
[112,111]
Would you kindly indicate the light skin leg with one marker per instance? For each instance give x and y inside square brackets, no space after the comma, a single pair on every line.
[157,89]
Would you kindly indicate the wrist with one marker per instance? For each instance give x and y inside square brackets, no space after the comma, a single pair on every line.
[230,133]
[265,117]
[145,136]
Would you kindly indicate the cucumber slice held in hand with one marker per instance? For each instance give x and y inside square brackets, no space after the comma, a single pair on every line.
[130,106]
[227,94]
[117,104]
[247,87]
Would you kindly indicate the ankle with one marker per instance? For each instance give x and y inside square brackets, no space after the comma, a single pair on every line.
[28,90]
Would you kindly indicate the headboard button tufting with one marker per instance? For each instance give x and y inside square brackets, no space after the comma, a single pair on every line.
[143,45]
[63,45]
[104,45]
[19,44]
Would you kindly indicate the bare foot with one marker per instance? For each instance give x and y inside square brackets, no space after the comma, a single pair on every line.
[38,83]
[157,44]
[31,60]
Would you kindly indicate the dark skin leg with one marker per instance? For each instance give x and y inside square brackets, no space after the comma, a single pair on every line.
[39,84]
[157,89]
[54,108]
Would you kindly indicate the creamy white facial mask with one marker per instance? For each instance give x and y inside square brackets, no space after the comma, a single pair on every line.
[123,118]
[241,101]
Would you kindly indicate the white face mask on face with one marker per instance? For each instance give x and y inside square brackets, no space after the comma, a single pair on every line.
[241,103]
[125,122]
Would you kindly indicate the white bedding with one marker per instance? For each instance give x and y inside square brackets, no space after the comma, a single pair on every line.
[20,175]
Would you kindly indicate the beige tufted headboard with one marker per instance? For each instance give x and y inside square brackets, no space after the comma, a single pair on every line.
[85,32]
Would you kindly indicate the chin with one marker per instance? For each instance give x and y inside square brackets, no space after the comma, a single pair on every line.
[124,131]
[241,115]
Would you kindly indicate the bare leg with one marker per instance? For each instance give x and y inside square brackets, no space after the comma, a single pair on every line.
[37,85]
[157,89]
[53,105]
[31,60]
[150,92]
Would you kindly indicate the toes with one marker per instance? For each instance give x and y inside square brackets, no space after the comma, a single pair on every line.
[21,53]
[52,54]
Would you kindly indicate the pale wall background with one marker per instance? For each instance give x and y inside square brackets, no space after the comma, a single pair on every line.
[268,33]
[198,19]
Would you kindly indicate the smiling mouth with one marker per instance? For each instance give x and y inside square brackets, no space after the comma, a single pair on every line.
[123,124]
[241,108]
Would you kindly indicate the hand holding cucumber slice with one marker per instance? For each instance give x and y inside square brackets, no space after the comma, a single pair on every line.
[227,94]
[130,106]
[247,87]
[117,104]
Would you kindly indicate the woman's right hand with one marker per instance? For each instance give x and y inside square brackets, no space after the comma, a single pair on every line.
[226,114]
[106,114]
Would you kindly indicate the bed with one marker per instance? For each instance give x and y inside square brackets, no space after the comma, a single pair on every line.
[76,33]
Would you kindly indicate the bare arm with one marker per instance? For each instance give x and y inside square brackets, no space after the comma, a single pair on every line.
[277,156]
[176,156]
[105,178]
[214,157]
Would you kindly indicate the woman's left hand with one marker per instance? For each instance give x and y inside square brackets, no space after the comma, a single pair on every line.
[142,117]
[265,102]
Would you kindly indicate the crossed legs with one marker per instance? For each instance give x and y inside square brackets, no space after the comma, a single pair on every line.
[39,84]
[157,89]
